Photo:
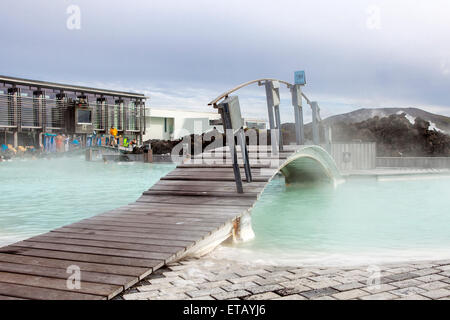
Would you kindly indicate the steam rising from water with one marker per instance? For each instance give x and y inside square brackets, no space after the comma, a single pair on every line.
[358,222]
[39,195]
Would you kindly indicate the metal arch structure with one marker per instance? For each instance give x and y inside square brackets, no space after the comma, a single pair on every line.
[297,96]
[260,82]
[272,87]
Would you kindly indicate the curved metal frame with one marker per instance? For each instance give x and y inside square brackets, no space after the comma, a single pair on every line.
[259,81]
[321,156]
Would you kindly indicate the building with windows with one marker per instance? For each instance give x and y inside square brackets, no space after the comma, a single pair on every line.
[255,123]
[29,108]
[167,124]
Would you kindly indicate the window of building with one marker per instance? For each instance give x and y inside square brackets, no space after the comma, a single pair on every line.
[84,116]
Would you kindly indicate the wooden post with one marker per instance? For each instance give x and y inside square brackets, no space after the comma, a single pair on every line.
[148,156]
[88,156]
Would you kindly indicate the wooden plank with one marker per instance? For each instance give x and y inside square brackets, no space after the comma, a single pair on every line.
[192,212]
[118,238]
[173,207]
[213,178]
[200,201]
[28,292]
[185,170]
[144,218]
[213,165]
[3,298]
[111,230]
[188,206]
[106,244]
[136,215]
[208,183]
[205,187]
[84,266]
[216,173]
[203,211]
[204,215]
[150,221]
[171,234]
[58,273]
[86,257]
[186,226]
[95,250]
[104,290]
[270,161]
[208,191]
[251,195]
[209,158]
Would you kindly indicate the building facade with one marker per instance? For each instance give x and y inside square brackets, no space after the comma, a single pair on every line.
[29,108]
[167,124]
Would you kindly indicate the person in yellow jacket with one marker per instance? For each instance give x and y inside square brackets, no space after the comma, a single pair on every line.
[113,132]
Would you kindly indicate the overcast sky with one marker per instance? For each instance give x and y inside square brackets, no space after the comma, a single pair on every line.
[184,53]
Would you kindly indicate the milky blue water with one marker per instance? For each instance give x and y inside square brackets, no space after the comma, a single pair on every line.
[39,195]
[357,222]
[360,221]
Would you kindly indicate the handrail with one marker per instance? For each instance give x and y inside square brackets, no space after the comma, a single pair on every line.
[225,94]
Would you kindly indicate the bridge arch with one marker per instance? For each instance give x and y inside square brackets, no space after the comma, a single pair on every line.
[310,163]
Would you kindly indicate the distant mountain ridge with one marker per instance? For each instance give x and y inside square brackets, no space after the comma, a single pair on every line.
[438,122]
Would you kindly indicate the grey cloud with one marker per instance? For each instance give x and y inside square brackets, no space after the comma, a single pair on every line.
[205,47]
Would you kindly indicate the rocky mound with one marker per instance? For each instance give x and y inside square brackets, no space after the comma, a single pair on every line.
[396,135]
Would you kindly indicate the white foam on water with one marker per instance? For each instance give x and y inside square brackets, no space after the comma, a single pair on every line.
[337,259]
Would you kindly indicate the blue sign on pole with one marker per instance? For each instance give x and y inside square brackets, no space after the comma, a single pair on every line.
[299,77]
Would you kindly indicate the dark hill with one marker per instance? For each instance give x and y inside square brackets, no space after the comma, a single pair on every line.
[397,131]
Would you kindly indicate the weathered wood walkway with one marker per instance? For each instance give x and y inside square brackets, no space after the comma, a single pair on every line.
[116,249]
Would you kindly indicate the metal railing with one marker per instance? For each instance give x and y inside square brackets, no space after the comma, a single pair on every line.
[40,112]
[230,111]
[31,112]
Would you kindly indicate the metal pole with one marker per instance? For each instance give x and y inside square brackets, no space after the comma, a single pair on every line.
[273,100]
[243,144]
[230,138]
[269,104]
[315,122]
[278,122]
[296,91]
[141,120]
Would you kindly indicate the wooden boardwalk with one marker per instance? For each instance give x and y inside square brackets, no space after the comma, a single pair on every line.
[116,249]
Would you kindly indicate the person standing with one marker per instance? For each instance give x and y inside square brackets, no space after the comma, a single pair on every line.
[59,143]
[113,132]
